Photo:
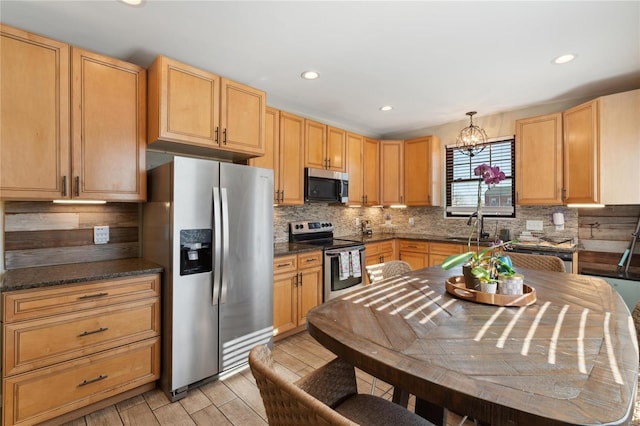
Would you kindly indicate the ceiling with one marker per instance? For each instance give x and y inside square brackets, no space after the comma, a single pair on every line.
[432,61]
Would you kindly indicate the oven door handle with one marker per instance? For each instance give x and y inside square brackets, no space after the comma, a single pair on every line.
[336,253]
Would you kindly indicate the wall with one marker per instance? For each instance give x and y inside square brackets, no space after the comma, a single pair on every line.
[428,220]
[43,233]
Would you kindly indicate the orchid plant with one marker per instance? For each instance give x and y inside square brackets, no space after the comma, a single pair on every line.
[485,264]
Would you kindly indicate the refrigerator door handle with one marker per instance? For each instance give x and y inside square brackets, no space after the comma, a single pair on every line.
[217,246]
[225,245]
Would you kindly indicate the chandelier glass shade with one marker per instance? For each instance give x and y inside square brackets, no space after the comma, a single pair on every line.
[472,139]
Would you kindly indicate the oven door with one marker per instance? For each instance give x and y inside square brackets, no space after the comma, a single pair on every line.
[334,286]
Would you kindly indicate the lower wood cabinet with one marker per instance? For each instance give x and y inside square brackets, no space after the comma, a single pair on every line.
[438,252]
[379,252]
[297,288]
[415,253]
[70,346]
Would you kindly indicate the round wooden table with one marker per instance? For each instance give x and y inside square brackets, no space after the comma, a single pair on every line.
[570,358]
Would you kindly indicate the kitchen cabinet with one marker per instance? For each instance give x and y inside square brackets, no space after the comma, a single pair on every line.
[290,170]
[422,165]
[271,157]
[193,111]
[315,144]
[539,160]
[438,252]
[601,150]
[90,342]
[415,253]
[379,252]
[47,87]
[355,169]
[336,145]
[297,289]
[371,171]
[392,172]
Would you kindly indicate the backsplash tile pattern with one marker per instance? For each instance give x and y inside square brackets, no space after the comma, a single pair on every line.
[427,220]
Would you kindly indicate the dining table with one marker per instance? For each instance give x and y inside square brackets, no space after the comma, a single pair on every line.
[570,357]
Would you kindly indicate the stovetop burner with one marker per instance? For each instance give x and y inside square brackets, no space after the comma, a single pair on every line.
[317,233]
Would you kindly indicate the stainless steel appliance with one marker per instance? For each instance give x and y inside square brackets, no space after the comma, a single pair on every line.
[320,233]
[210,225]
[326,186]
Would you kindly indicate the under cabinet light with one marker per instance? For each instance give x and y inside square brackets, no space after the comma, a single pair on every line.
[79,202]
[585,206]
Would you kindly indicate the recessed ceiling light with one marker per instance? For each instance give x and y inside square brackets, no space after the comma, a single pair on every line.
[386,108]
[310,75]
[563,59]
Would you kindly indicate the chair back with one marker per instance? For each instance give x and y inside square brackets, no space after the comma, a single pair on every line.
[284,402]
[380,271]
[537,261]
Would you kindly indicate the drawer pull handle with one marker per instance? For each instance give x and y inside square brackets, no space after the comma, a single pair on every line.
[93,296]
[86,333]
[282,265]
[312,260]
[97,379]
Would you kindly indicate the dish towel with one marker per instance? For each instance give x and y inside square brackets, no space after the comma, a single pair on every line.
[355,263]
[343,263]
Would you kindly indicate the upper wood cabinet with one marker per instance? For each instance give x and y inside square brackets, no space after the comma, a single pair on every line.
[291,153]
[601,150]
[539,160]
[196,112]
[324,146]
[271,157]
[422,185]
[355,169]
[103,157]
[371,171]
[392,172]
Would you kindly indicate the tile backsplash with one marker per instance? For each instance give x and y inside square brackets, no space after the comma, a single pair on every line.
[427,220]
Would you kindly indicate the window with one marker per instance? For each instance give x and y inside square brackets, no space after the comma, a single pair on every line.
[462,184]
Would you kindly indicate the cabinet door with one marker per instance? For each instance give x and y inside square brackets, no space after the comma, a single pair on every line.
[183,104]
[336,156]
[315,139]
[270,159]
[34,112]
[581,154]
[242,110]
[539,160]
[309,292]
[416,260]
[417,172]
[391,172]
[354,168]
[291,151]
[109,128]
[371,171]
[285,302]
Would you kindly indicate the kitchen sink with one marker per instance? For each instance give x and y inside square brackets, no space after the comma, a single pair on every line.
[466,240]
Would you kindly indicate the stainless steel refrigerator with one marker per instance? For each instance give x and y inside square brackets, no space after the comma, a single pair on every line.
[210,225]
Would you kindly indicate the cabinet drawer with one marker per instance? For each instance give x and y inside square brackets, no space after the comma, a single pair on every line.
[386,248]
[30,304]
[309,260]
[416,246]
[43,342]
[285,264]
[445,248]
[47,393]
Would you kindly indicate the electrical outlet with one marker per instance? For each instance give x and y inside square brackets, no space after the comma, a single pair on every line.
[357,222]
[412,222]
[534,225]
[100,234]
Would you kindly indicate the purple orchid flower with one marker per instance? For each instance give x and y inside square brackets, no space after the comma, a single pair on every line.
[490,175]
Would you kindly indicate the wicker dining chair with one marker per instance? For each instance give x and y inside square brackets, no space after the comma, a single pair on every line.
[380,271]
[537,261]
[327,396]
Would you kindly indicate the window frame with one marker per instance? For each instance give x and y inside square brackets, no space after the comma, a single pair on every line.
[464,211]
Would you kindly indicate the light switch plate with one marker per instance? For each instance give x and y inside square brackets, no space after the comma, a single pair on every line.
[100,234]
[534,225]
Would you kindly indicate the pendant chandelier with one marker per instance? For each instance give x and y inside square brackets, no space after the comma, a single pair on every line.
[472,139]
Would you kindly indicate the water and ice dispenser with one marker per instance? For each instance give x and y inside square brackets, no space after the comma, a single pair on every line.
[195,251]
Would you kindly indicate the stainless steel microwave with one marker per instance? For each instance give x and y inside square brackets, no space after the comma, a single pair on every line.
[325,186]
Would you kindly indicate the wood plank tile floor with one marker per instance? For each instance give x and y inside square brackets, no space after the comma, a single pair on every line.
[231,401]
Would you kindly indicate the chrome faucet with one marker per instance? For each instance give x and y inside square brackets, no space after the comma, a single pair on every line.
[480,230]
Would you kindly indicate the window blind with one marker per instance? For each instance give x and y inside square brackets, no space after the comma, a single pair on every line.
[462,184]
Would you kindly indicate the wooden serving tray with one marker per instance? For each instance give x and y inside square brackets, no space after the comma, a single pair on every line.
[455,286]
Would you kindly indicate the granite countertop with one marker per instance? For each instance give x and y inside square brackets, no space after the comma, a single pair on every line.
[44,276]
[283,249]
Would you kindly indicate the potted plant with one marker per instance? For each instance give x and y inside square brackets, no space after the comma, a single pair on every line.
[481,267]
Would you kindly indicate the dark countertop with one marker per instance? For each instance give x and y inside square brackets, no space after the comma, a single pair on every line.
[283,249]
[44,276]
[622,275]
